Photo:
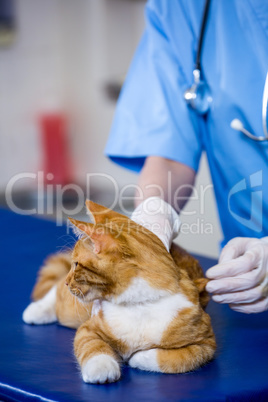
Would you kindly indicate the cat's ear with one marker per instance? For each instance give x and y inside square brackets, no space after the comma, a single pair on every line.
[79,228]
[101,214]
[100,236]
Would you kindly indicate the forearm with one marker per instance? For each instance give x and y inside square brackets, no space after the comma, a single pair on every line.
[167,179]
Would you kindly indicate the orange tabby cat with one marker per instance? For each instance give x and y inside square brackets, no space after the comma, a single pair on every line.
[130,299]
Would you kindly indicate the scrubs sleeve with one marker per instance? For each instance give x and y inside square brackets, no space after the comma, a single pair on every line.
[152,118]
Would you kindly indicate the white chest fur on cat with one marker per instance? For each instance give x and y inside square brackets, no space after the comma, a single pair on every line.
[141,314]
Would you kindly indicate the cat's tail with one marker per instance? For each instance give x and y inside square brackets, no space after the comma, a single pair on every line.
[54,269]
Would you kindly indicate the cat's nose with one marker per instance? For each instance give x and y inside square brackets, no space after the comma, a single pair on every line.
[66,283]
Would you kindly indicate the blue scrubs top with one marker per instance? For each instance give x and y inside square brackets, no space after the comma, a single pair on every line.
[152,117]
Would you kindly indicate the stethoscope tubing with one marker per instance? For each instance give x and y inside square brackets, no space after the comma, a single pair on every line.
[264,108]
[201,37]
[190,94]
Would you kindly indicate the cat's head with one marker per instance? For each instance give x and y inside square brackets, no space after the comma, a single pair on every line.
[117,259]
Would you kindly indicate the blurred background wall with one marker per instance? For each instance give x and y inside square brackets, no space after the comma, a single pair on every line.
[65,56]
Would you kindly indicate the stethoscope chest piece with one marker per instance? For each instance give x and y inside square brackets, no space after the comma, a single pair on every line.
[198,96]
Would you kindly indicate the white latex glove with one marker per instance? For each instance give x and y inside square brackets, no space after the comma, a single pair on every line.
[241,276]
[159,217]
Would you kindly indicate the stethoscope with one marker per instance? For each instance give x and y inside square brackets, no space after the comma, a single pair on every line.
[199,98]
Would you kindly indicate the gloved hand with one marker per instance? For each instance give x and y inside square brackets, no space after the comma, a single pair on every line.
[241,276]
[159,217]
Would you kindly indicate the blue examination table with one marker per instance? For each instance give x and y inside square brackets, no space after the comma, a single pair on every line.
[37,362]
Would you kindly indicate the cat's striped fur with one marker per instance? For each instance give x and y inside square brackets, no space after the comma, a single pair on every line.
[130,299]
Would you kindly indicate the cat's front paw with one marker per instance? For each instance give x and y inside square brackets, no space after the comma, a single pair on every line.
[42,311]
[38,313]
[145,360]
[101,369]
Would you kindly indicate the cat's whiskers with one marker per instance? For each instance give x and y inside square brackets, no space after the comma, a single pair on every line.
[70,297]
[68,246]
[83,302]
[76,308]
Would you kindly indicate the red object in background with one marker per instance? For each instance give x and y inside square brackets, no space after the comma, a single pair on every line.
[56,155]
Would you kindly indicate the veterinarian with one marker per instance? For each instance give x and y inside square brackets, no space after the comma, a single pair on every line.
[198,82]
